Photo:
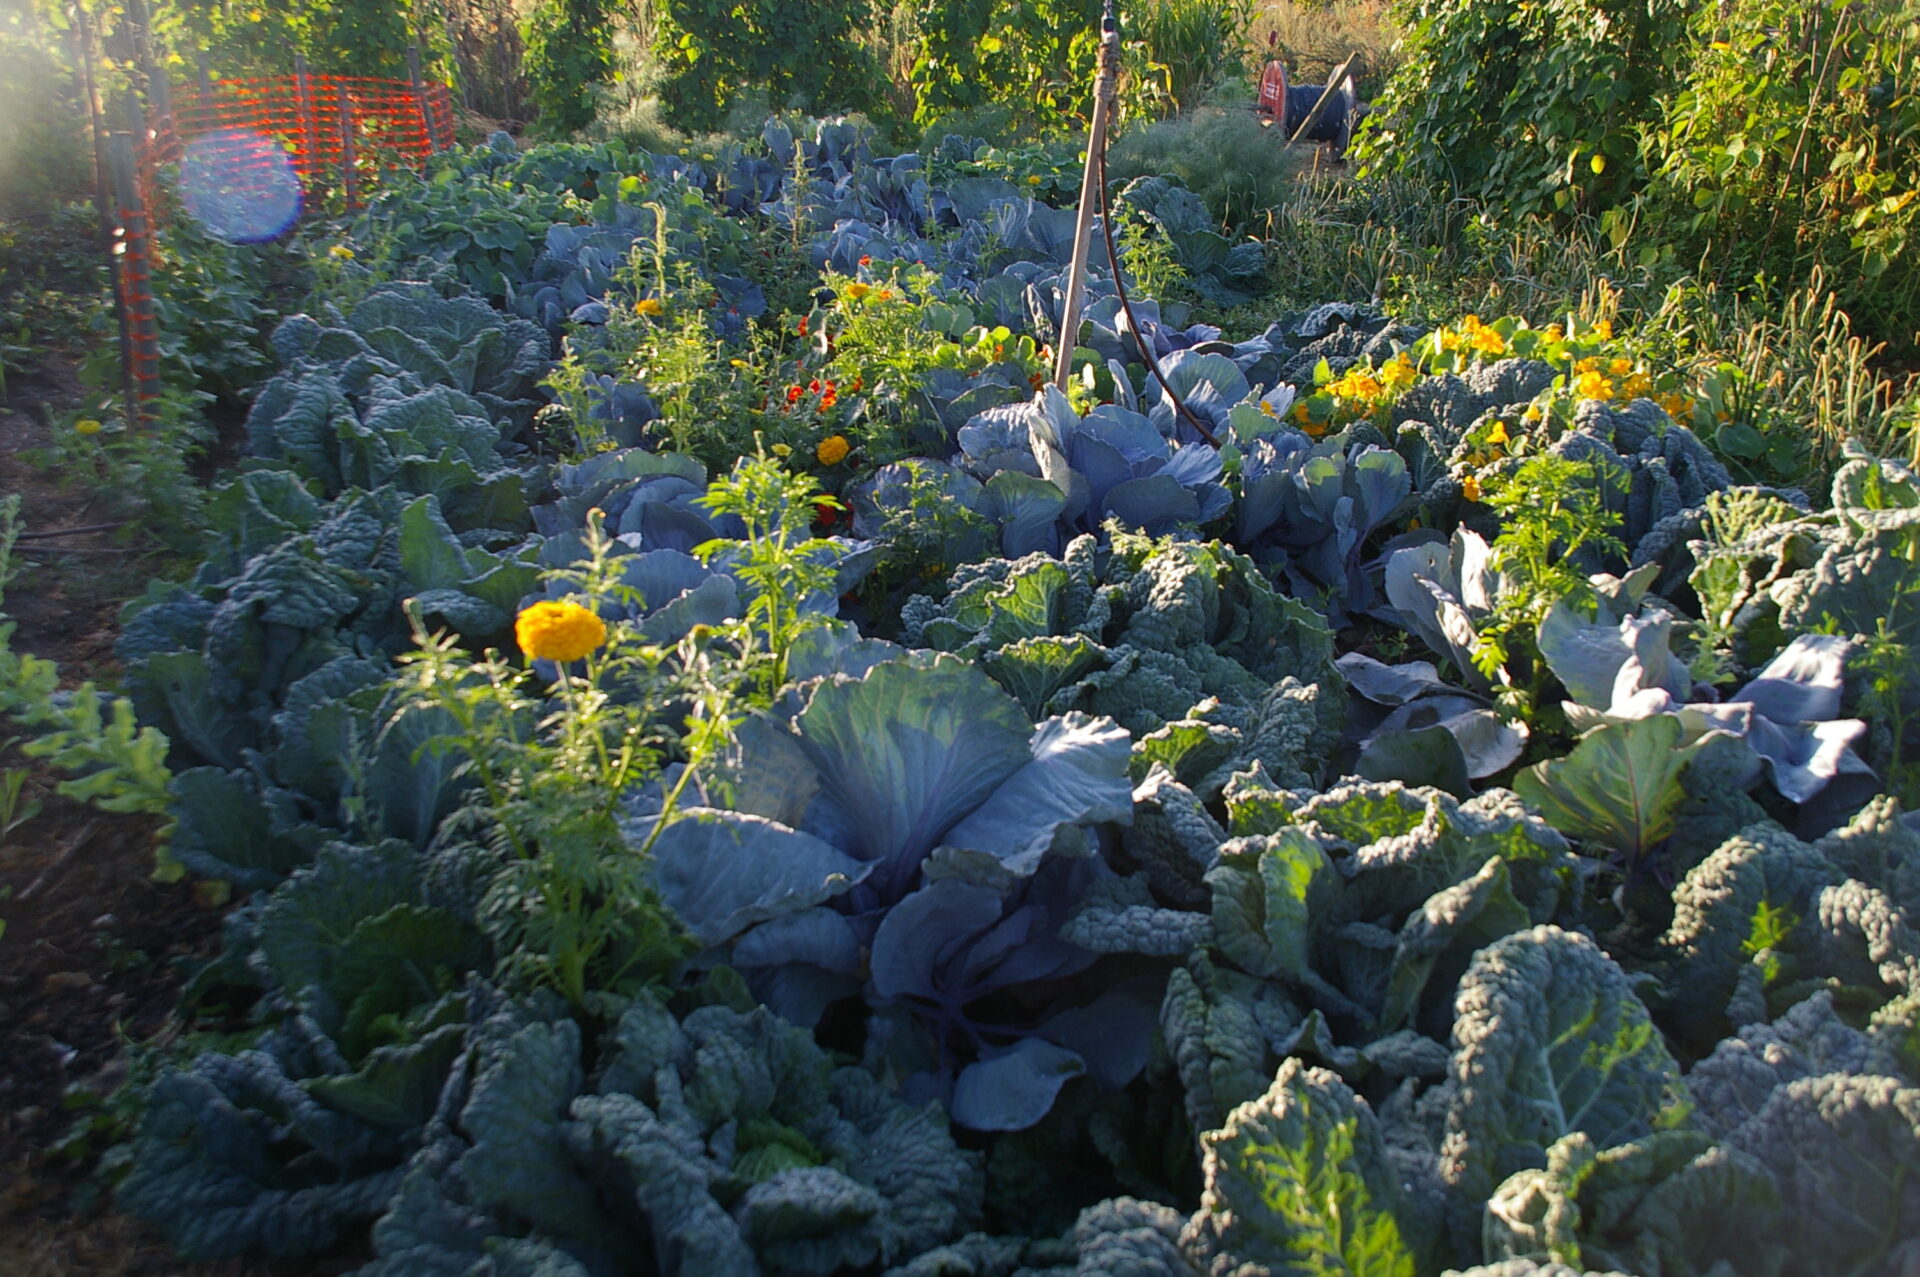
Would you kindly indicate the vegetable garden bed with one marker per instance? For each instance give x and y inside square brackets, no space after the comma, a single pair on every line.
[723,771]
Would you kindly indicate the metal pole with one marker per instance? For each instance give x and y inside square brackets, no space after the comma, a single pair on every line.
[1104,96]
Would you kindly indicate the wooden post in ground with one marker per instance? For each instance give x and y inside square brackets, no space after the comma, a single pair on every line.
[1104,98]
[159,91]
[420,97]
[140,338]
[303,91]
[103,194]
[347,181]
[205,74]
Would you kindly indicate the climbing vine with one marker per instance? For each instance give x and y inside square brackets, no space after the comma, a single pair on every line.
[804,54]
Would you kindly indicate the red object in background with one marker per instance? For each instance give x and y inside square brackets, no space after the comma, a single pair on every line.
[1273,92]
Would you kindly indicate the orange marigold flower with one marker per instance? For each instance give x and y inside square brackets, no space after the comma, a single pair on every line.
[832,450]
[562,632]
[1470,487]
[801,329]
[866,259]
[793,394]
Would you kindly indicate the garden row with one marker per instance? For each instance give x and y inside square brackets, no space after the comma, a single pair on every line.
[1402,808]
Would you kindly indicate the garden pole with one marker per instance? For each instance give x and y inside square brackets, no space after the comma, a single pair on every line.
[346,147]
[1104,94]
[420,97]
[303,99]
[159,92]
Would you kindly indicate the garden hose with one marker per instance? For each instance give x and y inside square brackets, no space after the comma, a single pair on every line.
[1133,322]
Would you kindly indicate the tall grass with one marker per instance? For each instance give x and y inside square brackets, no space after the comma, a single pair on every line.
[1314,36]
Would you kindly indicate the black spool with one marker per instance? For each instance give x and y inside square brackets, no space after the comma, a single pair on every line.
[1300,100]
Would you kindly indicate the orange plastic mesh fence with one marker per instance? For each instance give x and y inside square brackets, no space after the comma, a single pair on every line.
[341,131]
[381,124]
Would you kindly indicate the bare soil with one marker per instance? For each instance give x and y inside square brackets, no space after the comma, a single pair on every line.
[94,951]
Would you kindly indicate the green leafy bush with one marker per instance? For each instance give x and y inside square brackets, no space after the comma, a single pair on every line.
[1533,106]
[569,50]
[1791,147]
[810,52]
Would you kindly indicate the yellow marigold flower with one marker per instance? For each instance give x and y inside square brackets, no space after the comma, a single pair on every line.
[1620,367]
[1301,412]
[1470,487]
[1636,386]
[1471,324]
[1035,180]
[783,450]
[1677,406]
[1532,413]
[1554,332]
[1603,329]
[1399,374]
[1593,385]
[1590,364]
[1498,435]
[832,450]
[340,253]
[88,426]
[561,632]
[650,306]
[857,290]
[1488,341]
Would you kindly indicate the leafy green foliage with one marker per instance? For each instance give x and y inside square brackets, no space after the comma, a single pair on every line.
[1550,1040]
[569,50]
[1620,787]
[1783,150]
[1277,1163]
[1528,107]
[804,55]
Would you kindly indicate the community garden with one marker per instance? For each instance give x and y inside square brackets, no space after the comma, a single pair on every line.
[635,698]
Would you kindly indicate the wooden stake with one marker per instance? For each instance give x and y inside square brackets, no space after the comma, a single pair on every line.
[420,96]
[138,332]
[1104,97]
[1326,96]
[346,147]
[303,89]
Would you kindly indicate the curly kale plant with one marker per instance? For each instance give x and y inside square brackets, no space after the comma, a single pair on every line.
[721,1141]
[1184,644]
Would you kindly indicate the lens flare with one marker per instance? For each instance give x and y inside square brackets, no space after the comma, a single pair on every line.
[240,185]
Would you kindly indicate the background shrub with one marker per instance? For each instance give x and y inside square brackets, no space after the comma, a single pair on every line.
[1531,106]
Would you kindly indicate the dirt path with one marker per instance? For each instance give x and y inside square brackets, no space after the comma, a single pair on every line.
[93,952]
